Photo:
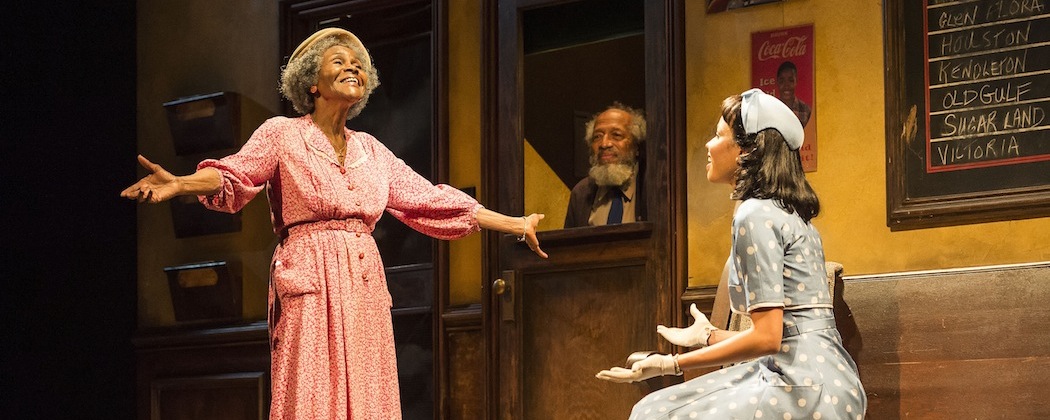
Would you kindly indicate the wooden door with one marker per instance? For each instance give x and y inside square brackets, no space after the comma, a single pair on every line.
[563,319]
[552,324]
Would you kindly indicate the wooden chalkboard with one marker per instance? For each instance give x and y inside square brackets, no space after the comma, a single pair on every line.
[967,101]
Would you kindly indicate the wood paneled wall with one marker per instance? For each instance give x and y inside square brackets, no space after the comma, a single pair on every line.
[204,373]
[464,389]
[953,344]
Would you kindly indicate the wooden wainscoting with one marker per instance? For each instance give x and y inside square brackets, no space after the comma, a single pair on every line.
[464,387]
[216,373]
[969,343]
[225,396]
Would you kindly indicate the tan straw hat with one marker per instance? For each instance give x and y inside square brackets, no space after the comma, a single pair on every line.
[327,32]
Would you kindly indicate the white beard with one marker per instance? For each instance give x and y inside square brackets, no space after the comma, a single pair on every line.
[612,174]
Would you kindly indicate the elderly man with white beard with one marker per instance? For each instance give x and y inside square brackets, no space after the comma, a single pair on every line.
[611,192]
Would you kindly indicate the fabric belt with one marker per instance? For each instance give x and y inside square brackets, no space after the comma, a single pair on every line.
[809,326]
[302,228]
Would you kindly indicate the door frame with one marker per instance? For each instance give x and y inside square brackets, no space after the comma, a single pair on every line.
[502,163]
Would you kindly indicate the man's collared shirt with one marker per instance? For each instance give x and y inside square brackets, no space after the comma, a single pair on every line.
[600,207]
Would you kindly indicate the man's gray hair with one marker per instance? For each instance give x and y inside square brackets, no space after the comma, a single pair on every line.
[636,127]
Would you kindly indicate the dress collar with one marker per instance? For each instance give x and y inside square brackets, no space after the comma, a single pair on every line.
[318,143]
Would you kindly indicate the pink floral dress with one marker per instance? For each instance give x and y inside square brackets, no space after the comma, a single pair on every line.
[331,339]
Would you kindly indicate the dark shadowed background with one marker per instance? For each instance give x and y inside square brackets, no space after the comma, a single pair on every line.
[67,304]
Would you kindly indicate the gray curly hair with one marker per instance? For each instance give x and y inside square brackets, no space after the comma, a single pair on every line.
[637,126]
[299,75]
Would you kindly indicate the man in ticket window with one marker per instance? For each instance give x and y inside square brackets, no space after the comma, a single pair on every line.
[611,193]
[787,78]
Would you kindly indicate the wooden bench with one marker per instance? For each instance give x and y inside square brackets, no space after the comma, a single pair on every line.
[971,343]
[951,344]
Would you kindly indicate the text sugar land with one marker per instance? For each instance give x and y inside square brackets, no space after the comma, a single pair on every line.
[991,122]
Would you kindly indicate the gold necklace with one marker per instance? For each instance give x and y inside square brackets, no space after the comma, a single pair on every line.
[341,153]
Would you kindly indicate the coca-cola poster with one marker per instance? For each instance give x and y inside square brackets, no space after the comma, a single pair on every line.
[782,66]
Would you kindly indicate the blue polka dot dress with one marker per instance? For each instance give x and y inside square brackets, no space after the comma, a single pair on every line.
[778,262]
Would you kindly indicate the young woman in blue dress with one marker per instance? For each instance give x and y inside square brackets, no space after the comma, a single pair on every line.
[793,363]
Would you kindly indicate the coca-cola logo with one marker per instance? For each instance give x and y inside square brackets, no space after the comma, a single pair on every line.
[791,47]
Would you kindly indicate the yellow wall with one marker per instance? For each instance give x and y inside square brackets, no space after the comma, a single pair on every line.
[464,85]
[545,193]
[851,177]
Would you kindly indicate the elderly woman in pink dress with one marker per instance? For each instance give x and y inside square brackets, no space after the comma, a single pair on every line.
[332,345]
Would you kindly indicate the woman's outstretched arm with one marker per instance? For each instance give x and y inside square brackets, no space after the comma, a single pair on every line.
[160,185]
[524,226]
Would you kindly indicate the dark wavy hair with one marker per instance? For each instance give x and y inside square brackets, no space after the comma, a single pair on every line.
[768,168]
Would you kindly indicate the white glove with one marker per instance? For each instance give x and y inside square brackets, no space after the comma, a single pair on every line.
[695,335]
[649,367]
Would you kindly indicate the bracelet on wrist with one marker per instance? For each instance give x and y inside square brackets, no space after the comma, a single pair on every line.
[524,228]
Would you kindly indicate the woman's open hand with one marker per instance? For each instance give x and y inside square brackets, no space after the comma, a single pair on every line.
[696,335]
[159,185]
[650,367]
[531,221]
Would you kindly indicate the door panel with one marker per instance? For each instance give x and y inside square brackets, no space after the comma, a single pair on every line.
[561,320]
[578,322]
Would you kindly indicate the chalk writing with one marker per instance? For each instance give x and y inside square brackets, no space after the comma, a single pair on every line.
[958,18]
[977,150]
[984,39]
[988,83]
[985,95]
[981,68]
[1003,9]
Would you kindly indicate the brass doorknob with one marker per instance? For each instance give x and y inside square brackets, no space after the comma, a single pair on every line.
[499,286]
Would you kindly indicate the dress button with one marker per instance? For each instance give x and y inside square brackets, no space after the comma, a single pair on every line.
[361,256]
[350,187]
[342,170]
[358,204]
[364,276]
[358,234]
